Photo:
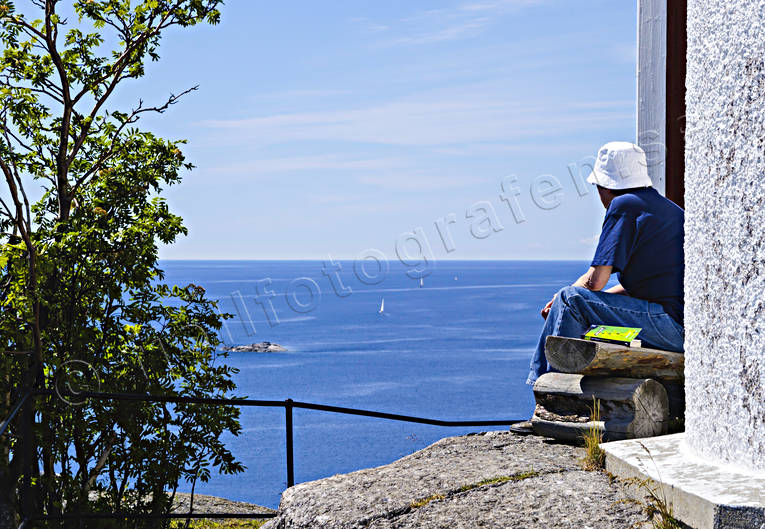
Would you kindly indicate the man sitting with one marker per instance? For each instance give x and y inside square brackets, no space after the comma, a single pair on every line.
[642,242]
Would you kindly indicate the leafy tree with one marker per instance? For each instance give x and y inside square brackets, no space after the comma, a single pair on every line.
[81,291]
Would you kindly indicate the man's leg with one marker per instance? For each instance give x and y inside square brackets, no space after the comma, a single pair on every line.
[576,308]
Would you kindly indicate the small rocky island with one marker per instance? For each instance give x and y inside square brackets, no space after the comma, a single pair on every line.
[260,347]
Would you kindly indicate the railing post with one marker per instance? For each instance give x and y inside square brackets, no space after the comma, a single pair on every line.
[288,429]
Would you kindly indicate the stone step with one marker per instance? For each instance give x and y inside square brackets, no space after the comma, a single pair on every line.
[701,494]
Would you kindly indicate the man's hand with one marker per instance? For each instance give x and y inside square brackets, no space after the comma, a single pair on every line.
[546,309]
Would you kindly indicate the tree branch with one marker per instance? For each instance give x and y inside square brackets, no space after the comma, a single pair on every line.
[28,28]
[19,220]
[7,132]
[62,166]
[116,73]
[132,118]
[109,444]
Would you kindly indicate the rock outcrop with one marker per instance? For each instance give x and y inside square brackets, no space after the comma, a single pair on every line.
[260,347]
[494,479]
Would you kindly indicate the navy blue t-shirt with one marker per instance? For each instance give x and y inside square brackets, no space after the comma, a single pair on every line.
[642,239]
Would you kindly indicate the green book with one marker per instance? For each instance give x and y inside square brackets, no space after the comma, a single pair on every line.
[610,334]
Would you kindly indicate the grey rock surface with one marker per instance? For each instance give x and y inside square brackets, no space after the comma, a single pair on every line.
[427,489]
[214,504]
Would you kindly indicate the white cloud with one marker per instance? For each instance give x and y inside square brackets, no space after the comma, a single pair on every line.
[393,173]
[268,166]
[339,199]
[602,105]
[590,241]
[499,5]
[419,181]
[625,52]
[463,21]
[467,117]
[468,28]
[303,92]
[368,25]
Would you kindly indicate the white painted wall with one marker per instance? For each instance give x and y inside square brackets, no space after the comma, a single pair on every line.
[725,231]
[652,86]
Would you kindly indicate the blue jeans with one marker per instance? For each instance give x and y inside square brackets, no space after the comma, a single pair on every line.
[576,308]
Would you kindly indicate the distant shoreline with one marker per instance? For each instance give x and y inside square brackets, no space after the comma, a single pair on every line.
[351,259]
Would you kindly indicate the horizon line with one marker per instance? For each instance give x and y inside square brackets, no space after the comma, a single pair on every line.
[317,259]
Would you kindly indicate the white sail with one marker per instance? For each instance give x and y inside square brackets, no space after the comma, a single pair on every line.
[422,283]
[382,306]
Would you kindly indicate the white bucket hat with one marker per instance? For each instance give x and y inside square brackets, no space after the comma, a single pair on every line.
[620,165]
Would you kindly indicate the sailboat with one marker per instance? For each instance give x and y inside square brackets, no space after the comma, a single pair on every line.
[382,306]
[422,283]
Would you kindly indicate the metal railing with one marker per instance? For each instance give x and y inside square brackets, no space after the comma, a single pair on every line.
[14,411]
[289,405]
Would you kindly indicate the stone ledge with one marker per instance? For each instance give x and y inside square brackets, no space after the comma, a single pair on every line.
[702,495]
[491,480]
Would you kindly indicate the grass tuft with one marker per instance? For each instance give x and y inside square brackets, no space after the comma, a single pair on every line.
[212,524]
[594,456]
[656,505]
[500,479]
[416,504]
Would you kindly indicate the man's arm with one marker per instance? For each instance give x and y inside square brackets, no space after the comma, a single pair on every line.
[618,289]
[594,279]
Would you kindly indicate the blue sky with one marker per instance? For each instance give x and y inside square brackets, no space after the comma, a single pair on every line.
[327,128]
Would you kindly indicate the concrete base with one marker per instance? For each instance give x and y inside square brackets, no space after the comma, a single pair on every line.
[702,495]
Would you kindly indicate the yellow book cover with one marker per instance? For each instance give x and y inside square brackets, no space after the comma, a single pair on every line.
[612,334]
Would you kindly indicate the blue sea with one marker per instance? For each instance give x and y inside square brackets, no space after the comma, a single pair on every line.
[456,347]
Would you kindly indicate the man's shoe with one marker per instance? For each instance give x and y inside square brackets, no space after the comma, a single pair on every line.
[522,428]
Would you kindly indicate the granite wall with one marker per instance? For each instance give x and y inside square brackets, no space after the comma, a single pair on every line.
[725,231]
